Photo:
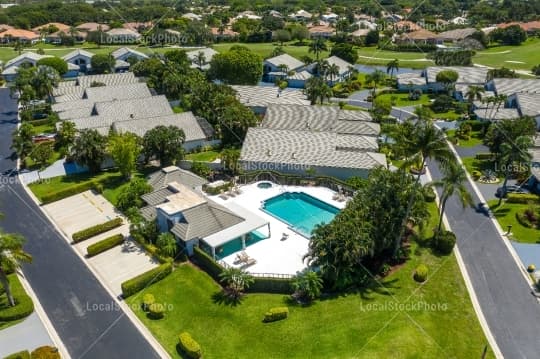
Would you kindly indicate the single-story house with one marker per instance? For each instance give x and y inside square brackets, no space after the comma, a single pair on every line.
[14,35]
[70,90]
[81,58]
[9,72]
[298,79]
[467,75]
[258,98]
[225,34]
[410,81]
[323,30]
[344,68]
[191,16]
[331,17]
[278,67]
[195,220]
[406,26]
[123,36]
[421,36]
[528,104]
[301,15]
[92,26]
[508,87]
[208,54]
[456,35]
[494,114]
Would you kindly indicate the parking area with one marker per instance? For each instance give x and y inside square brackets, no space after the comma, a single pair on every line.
[88,209]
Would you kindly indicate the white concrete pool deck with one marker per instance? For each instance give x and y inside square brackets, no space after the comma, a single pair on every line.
[272,254]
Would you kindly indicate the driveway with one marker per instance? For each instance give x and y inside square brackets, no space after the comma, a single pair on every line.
[511,311]
[27,335]
[67,290]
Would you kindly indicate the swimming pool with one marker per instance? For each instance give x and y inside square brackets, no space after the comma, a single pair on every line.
[300,211]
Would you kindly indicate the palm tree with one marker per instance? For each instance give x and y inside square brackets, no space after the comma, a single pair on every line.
[284,69]
[19,47]
[452,183]
[317,90]
[424,142]
[229,159]
[11,257]
[392,66]
[200,59]
[474,93]
[167,244]
[332,72]
[44,81]
[514,151]
[236,281]
[307,285]
[376,77]
[317,46]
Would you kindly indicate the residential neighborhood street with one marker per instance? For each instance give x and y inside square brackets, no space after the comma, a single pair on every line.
[511,311]
[80,309]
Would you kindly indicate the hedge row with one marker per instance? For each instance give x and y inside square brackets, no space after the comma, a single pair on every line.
[275,314]
[97,229]
[69,191]
[25,354]
[260,284]
[484,156]
[23,303]
[143,280]
[408,47]
[189,346]
[45,352]
[520,217]
[154,251]
[104,244]
[45,121]
[522,198]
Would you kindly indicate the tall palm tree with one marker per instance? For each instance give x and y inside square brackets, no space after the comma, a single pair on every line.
[392,66]
[317,46]
[376,77]
[44,81]
[332,72]
[452,183]
[236,281]
[307,285]
[474,93]
[11,257]
[424,142]
[167,244]
[200,59]
[512,152]
[284,69]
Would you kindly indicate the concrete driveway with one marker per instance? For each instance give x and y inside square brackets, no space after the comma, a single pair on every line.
[87,209]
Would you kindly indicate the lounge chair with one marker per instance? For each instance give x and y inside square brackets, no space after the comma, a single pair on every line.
[249,262]
[284,236]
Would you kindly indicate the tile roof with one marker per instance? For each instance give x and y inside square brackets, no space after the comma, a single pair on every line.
[466,74]
[285,59]
[134,108]
[262,96]
[78,52]
[497,115]
[503,86]
[127,51]
[123,32]
[300,76]
[29,55]
[93,26]
[20,34]
[412,78]
[421,34]
[529,104]
[341,64]
[457,34]
[82,82]
[207,51]
[306,148]
[58,25]
[161,178]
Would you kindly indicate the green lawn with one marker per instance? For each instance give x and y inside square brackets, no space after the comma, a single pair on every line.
[353,108]
[360,325]
[525,55]
[474,140]
[206,156]
[450,115]
[265,49]
[18,293]
[472,164]
[402,99]
[506,215]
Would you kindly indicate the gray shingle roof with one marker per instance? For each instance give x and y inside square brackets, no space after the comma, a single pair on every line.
[500,114]
[157,197]
[186,121]
[304,148]
[457,34]
[319,118]
[285,59]
[77,52]
[341,64]
[203,220]
[82,82]
[161,178]
[412,78]
[119,110]
[149,213]
[466,74]
[529,104]
[262,96]
[207,51]
[512,86]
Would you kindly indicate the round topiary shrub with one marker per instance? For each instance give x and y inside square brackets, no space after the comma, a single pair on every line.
[156,311]
[476,175]
[445,242]
[420,273]
[531,268]
[45,352]
[147,301]
[189,346]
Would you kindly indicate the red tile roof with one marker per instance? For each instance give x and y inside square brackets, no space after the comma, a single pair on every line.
[20,34]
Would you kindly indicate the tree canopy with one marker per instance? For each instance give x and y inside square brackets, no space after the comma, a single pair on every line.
[164,143]
[238,66]
[56,63]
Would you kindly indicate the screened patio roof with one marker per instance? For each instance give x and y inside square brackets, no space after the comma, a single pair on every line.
[251,222]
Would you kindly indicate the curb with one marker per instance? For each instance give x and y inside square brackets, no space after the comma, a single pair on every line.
[470,289]
[44,318]
[125,308]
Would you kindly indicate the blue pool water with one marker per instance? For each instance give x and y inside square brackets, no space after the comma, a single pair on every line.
[300,211]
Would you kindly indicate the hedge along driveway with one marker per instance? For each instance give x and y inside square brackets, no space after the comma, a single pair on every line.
[88,209]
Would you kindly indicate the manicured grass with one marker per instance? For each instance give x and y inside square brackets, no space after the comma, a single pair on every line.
[474,140]
[450,115]
[265,49]
[506,215]
[206,156]
[402,99]
[31,165]
[343,326]
[354,108]
[525,55]
[19,294]
[472,164]
[46,128]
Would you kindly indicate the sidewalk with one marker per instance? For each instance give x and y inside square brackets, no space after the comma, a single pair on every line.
[27,335]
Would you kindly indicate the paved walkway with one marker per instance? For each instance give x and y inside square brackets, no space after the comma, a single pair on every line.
[29,334]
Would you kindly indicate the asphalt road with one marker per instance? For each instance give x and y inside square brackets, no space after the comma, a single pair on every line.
[512,312]
[80,309]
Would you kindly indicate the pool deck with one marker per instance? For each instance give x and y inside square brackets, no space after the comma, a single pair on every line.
[272,254]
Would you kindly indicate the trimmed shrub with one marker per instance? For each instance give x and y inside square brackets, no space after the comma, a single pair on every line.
[484,156]
[97,229]
[476,175]
[445,242]
[45,352]
[156,311]
[105,244]
[271,285]
[189,346]
[421,273]
[429,194]
[143,280]
[208,264]
[147,300]
[25,354]
[23,303]
[522,198]
[275,314]
[531,268]
[67,192]
[475,125]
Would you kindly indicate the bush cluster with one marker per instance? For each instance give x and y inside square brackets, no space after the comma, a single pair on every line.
[429,194]
[445,242]
[25,354]
[156,311]
[147,301]
[189,346]
[143,280]
[521,198]
[208,264]
[97,229]
[23,303]
[275,314]
[476,175]
[45,352]
[105,244]
[421,273]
